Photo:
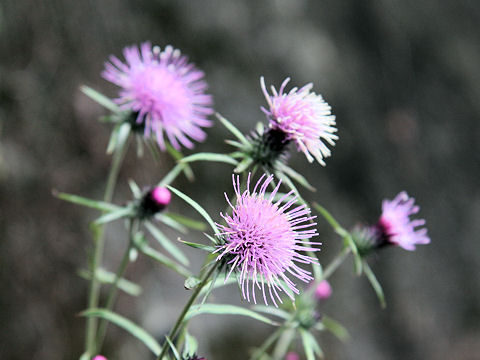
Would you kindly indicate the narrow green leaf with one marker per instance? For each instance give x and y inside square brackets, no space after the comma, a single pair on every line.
[84,356]
[112,142]
[330,219]
[211,238]
[206,248]
[237,133]
[192,224]
[225,309]
[191,282]
[174,349]
[178,156]
[299,178]
[357,258]
[134,188]
[99,205]
[100,98]
[196,206]
[167,220]
[172,175]
[335,328]
[273,311]
[114,215]
[191,345]
[166,243]
[127,325]
[244,164]
[310,345]
[236,144]
[123,134]
[209,157]
[107,277]
[164,260]
[375,284]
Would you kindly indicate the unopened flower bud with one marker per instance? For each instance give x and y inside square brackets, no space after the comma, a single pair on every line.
[292,356]
[154,201]
[323,290]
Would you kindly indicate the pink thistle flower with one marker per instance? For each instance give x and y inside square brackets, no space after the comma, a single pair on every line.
[395,225]
[99,357]
[263,238]
[165,91]
[304,117]
[323,291]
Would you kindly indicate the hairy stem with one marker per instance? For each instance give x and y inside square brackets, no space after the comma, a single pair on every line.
[99,240]
[112,294]
[190,302]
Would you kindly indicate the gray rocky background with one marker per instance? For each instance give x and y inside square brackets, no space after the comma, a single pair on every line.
[403,78]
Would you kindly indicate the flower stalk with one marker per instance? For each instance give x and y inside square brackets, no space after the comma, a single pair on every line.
[173,333]
[112,294]
[99,241]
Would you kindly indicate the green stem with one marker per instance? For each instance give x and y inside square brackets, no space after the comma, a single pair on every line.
[283,343]
[190,302]
[112,294]
[266,344]
[99,240]
[335,264]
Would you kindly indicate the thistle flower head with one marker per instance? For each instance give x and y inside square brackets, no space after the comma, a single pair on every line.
[166,93]
[395,224]
[99,357]
[263,239]
[304,117]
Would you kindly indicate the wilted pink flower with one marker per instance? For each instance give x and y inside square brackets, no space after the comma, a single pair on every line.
[263,239]
[323,290]
[99,357]
[395,225]
[166,92]
[304,117]
[292,356]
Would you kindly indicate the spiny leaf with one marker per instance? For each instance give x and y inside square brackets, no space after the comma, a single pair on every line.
[114,215]
[99,205]
[192,224]
[310,345]
[237,133]
[335,327]
[375,284]
[191,345]
[107,277]
[100,98]
[166,243]
[196,206]
[167,220]
[174,349]
[206,248]
[299,178]
[273,311]
[209,157]
[127,325]
[224,309]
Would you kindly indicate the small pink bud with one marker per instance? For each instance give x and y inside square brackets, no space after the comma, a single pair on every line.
[323,290]
[161,195]
[292,356]
[155,200]
[99,357]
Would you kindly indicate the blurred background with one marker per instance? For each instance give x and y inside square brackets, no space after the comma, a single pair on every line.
[403,78]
